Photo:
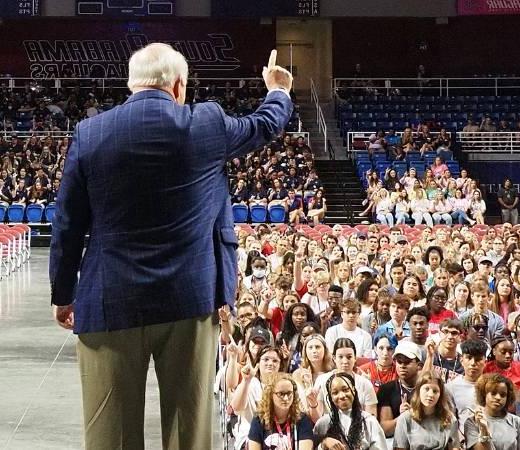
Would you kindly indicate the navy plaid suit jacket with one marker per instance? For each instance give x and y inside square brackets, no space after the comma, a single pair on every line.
[147,180]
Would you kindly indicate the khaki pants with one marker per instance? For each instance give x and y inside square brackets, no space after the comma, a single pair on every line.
[113,367]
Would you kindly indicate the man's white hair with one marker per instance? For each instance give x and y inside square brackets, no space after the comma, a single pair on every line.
[156,65]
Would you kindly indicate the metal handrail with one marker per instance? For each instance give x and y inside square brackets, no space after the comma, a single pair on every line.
[489,141]
[330,149]
[443,86]
[14,83]
[320,118]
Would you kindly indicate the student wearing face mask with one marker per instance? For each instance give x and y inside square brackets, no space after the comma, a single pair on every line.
[257,281]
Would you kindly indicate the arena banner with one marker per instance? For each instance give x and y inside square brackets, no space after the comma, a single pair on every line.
[487,7]
[93,48]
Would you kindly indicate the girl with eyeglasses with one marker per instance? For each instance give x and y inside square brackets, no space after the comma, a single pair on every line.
[435,302]
[430,423]
[248,393]
[347,426]
[280,423]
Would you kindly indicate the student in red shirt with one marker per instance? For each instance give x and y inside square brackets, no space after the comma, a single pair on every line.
[501,360]
[436,299]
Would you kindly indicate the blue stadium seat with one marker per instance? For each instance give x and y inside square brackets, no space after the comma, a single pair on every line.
[15,213]
[413,156]
[34,213]
[453,166]
[49,212]
[400,167]
[3,210]
[367,125]
[277,214]
[258,214]
[240,213]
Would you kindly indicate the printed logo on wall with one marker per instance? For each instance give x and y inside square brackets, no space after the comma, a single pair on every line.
[86,48]
[488,7]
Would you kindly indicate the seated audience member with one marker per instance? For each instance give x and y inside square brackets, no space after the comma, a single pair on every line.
[436,303]
[6,195]
[477,207]
[443,358]
[397,325]
[492,426]
[347,425]
[258,194]
[279,422]
[421,209]
[333,315]
[438,167]
[501,360]
[247,395]
[37,194]
[460,207]
[317,294]
[294,208]
[277,195]
[52,195]
[382,369]
[441,209]
[417,319]
[384,209]
[317,208]
[312,184]
[394,397]
[350,310]
[480,296]
[429,422]
[344,356]
[20,195]
[461,390]
[239,194]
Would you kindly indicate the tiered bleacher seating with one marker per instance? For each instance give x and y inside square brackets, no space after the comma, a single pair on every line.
[379,162]
[398,112]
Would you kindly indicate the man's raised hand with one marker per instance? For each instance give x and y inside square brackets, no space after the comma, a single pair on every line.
[276,77]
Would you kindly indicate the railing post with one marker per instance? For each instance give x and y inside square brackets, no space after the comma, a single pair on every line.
[496,87]
[511,140]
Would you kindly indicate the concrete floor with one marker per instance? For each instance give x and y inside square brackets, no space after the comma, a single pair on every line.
[40,396]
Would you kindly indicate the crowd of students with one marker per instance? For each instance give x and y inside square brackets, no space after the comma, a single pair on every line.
[435,198]
[374,338]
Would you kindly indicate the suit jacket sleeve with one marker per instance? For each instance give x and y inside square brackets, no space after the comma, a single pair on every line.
[246,134]
[70,225]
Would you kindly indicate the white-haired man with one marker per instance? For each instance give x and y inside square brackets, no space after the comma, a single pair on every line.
[161,255]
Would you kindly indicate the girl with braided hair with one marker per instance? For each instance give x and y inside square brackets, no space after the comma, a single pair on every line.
[347,426]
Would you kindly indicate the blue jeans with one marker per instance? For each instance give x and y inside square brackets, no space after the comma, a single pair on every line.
[460,216]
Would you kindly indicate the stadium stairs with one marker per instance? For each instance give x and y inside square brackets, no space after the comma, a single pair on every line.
[343,191]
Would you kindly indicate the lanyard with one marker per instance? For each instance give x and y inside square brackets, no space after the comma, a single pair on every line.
[287,432]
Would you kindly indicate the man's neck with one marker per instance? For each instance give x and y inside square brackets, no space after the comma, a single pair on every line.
[349,327]
[421,341]
[410,382]
[480,310]
[447,352]
[397,323]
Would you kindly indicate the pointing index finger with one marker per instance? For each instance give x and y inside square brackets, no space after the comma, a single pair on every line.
[272,59]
